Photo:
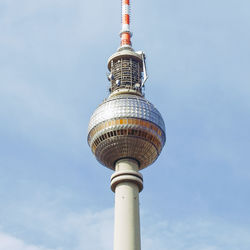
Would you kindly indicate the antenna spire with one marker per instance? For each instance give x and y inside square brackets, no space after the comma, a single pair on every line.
[125,32]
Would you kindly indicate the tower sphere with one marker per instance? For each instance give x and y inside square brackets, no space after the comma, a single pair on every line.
[126,125]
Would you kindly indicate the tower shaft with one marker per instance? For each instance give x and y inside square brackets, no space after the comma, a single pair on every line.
[127,182]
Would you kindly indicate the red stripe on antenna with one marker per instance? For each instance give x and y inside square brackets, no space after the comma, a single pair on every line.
[126,19]
[125,39]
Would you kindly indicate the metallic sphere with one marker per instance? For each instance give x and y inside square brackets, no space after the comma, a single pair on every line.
[126,126]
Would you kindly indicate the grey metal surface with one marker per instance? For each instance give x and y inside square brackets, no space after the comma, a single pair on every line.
[123,106]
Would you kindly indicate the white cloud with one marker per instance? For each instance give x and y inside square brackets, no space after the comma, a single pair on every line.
[194,234]
[8,242]
[91,230]
[76,231]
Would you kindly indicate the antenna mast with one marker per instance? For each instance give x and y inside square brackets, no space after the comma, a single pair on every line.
[125,32]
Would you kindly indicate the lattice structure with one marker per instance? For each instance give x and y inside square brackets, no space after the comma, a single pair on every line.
[126,73]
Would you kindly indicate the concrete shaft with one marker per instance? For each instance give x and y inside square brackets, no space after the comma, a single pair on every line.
[127,182]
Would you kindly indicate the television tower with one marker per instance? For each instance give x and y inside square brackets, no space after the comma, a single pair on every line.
[126,133]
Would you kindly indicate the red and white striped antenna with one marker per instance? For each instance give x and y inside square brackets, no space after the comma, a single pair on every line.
[125,32]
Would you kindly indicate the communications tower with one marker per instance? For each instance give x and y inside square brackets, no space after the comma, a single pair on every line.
[126,133]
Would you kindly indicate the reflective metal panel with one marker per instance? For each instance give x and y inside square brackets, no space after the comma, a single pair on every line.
[126,106]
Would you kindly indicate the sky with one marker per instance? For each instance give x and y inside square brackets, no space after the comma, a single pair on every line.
[54,195]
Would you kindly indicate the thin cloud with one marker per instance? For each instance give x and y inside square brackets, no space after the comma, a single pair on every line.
[194,234]
[91,230]
[12,243]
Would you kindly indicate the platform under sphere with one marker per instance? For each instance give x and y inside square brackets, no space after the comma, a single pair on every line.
[126,126]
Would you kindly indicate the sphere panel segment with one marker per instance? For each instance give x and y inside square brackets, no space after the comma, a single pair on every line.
[112,150]
[130,126]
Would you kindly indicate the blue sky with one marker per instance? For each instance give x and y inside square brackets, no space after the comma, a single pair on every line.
[54,195]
